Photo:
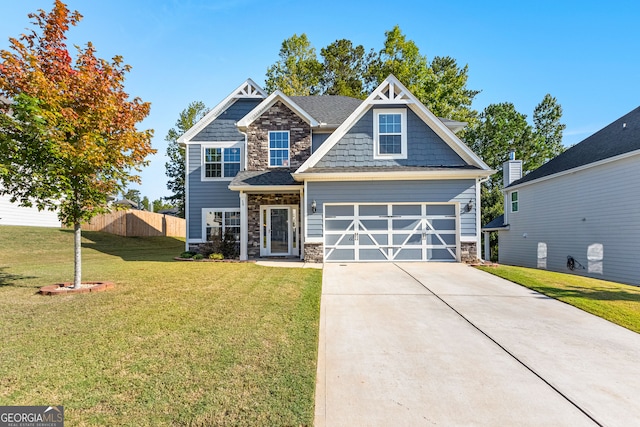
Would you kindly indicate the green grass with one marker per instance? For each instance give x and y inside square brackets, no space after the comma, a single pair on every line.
[615,302]
[174,343]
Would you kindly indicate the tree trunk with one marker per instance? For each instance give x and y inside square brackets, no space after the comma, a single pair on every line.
[77,246]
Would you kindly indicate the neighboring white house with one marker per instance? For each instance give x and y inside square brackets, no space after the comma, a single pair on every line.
[12,214]
[580,212]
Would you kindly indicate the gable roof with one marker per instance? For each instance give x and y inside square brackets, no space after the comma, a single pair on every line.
[248,89]
[618,138]
[268,103]
[391,91]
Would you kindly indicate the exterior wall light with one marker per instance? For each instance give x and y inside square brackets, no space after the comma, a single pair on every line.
[314,207]
[469,206]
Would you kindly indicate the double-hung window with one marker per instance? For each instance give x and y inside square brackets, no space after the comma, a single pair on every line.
[390,133]
[221,162]
[218,221]
[278,149]
[514,201]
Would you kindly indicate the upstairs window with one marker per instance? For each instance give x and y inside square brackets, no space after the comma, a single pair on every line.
[279,149]
[390,133]
[221,162]
[514,201]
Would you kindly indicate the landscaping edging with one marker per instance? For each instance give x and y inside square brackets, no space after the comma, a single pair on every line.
[66,288]
[212,260]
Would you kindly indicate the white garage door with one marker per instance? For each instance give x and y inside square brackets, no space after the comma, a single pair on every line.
[391,232]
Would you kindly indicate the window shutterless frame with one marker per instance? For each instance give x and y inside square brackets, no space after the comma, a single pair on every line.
[390,133]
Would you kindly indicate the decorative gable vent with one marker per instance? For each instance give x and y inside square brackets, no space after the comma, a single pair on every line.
[249,90]
[391,94]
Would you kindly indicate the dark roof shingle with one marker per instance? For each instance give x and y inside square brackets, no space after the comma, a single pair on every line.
[264,178]
[620,137]
[329,109]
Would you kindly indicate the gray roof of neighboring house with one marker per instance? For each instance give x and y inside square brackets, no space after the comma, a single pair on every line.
[329,109]
[496,223]
[620,137]
[264,178]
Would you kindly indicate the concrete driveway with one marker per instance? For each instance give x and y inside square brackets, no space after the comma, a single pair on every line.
[445,344]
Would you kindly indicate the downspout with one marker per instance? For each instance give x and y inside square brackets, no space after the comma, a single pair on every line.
[244,210]
[479,219]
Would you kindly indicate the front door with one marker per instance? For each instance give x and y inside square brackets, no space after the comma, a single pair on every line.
[279,234]
[278,231]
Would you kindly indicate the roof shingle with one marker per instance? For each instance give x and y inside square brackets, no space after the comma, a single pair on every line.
[620,137]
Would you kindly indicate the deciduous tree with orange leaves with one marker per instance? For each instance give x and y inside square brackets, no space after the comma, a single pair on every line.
[68,136]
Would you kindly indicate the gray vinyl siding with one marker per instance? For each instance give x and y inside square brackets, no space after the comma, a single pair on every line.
[424,146]
[207,194]
[393,192]
[599,205]
[223,128]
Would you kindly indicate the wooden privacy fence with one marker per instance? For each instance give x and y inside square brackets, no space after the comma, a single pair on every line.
[133,223]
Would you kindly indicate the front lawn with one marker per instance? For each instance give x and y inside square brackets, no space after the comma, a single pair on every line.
[615,302]
[174,343]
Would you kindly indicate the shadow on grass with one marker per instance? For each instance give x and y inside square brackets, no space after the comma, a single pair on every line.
[9,279]
[132,248]
[596,294]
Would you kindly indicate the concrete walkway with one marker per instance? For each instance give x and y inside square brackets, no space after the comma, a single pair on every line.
[446,344]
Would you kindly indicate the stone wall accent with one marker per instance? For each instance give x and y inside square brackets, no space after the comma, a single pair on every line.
[254,201]
[278,117]
[468,252]
[313,252]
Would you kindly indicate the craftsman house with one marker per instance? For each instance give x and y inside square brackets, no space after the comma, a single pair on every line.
[580,212]
[333,178]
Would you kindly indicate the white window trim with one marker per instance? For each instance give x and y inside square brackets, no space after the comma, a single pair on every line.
[511,201]
[203,235]
[376,133]
[222,145]
[269,149]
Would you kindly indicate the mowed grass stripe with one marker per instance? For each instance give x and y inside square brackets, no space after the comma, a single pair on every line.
[175,343]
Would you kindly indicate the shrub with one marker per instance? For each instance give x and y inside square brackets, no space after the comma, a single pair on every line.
[187,254]
[198,256]
[221,244]
[216,256]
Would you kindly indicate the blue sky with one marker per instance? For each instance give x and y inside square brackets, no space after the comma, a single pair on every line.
[585,53]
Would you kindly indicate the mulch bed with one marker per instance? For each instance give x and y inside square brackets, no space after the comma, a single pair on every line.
[67,288]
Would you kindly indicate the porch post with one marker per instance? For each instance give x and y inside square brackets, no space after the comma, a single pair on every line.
[244,226]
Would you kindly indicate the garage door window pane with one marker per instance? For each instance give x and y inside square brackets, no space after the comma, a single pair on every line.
[339,225]
[375,224]
[373,210]
[444,224]
[441,254]
[372,255]
[339,239]
[407,210]
[408,254]
[406,224]
[448,239]
[441,210]
[340,255]
[338,210]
